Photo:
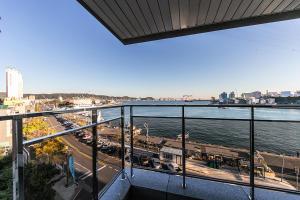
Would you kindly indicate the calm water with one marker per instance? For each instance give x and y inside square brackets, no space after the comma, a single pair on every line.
[277,137]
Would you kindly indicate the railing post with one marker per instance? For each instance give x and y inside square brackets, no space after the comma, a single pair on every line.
[183,147]
[131,142]
[252,196]
[95,136]
[18,159]
[122,143]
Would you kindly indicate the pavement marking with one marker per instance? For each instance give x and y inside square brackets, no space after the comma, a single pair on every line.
[83,175]
[101,168]
[77,194]
[73,147]
[90,173]
[83,154]
[81,166]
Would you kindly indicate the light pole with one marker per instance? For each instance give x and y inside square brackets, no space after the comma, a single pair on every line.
[147,134]
[282,167]
[297,177]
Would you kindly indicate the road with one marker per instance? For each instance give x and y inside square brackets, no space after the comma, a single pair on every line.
[107,166]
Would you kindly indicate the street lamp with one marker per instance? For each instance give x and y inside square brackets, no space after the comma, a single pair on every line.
[282,167]
[297,177]
[147,134]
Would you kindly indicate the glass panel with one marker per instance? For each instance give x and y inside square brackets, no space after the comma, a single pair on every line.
[59,167]
[6,176]
[109,152]
[218,112]
[218,149]
[277,150]
[157,111]
[156,144]
[51,169]
[277,114]
[109,113]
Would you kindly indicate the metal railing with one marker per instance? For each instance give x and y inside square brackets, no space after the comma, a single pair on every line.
[18,142]
[251,120]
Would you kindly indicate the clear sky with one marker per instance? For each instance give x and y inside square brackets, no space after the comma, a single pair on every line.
[59,47]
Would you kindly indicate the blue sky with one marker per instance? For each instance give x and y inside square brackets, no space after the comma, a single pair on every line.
[59,47]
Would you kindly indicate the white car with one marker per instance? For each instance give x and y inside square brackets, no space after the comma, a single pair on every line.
[156,163]
[173,167]
[86,137]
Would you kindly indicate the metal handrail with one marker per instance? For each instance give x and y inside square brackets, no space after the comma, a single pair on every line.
[251,121]
[49,113]
[289,106]
[18,136]
[218,119]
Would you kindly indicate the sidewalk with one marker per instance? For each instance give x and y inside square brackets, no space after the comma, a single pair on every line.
[63,192]
[199,168]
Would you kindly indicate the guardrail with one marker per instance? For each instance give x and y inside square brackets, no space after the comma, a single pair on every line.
[183,119]
[18,142]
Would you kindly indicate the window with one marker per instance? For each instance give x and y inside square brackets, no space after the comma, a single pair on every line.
[168,156]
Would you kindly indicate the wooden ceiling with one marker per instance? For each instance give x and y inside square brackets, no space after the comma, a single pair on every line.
[133,21]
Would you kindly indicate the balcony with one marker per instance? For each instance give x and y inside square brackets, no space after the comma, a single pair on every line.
[179,151]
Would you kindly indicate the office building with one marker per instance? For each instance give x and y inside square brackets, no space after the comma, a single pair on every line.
[14,84]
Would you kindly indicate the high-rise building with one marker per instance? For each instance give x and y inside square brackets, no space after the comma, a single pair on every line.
[223,97]
[14,84]
[256,94]
[297,93]
[232,95]
[5,129]
[273,94]
[286,94]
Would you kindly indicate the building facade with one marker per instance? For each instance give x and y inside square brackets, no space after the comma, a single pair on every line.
[14,84]
[286,94]
[5,130]
[232,95]
[223,97]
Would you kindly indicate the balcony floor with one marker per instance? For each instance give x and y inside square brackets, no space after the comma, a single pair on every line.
[161,186]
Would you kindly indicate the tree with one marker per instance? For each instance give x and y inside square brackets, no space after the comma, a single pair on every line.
[52,150]
[38,181]
[6,177]
[40,171]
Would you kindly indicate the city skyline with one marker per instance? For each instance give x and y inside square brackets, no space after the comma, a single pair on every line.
[83,55]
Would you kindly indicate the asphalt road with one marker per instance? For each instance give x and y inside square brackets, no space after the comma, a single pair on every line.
[107,166]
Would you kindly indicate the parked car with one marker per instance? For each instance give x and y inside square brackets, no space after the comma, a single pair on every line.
[173,167]
[135,160]
[79,135]
[154,163]
[84,138]
[110,150]
[89,142]
[144,160]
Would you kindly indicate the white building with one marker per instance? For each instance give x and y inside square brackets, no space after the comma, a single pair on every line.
[5,129]
[297,93]
[14,84]
[187,97]
[286,94]
[273,94]
[170,155]
[81,102]
[271,101]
